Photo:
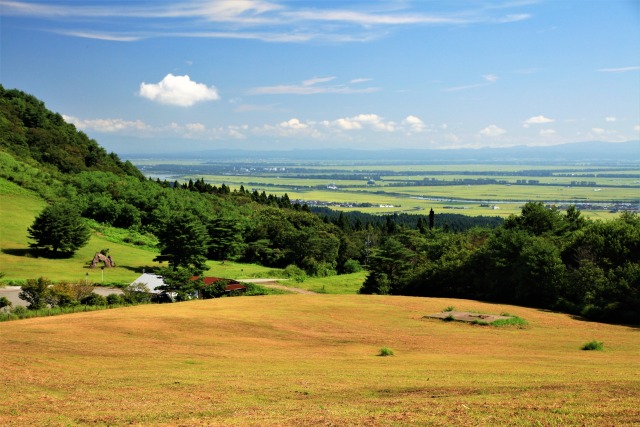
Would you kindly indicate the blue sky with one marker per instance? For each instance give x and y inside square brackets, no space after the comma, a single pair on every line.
[159,76]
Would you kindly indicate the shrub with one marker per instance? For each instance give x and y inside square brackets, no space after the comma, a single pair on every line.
[450,308]
[137,293]
[593,345]
[114,299]
[4,302]
[94,299]
[294,272]
[352,266]
[19,310]
[385,351]
[449,318]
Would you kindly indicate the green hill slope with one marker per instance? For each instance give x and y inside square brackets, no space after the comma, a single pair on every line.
[18,209]
[312,360]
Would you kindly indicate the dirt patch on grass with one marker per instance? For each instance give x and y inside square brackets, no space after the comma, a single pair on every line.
[467,316]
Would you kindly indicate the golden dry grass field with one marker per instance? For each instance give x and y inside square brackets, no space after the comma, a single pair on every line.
[312,360]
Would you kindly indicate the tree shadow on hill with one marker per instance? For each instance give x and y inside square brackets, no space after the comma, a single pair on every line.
[36,253]
[139,269]
[620,322]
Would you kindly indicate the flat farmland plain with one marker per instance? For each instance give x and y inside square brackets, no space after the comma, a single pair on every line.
[471,189]
[313,360]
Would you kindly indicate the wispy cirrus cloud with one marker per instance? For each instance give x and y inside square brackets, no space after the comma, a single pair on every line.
[313,86]
[488,80]
[620,69]
[266,20]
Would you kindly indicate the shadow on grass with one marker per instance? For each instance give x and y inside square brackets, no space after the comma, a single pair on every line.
[36,253]
[619,322]
[139,269]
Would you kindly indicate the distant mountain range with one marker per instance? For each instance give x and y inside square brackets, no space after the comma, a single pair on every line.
[592,152]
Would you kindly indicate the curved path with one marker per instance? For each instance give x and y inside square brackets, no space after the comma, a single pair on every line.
[273,284]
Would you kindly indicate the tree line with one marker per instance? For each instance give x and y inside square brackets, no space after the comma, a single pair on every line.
[541,258]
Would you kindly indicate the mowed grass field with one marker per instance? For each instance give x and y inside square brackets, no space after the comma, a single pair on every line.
[303,360]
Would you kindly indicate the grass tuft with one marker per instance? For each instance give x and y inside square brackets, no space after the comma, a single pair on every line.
[593,345]
[513,321]
[385,351]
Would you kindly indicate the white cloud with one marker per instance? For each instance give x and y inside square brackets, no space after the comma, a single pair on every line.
[415,124]
[547,132]
[597,131]
[278,20]
[293,124]
[195,127]
[107,125]
[488,78]
[362,121]
[636,128]
[178,90]
[537,120]
[312,86]
[360,80]
[620,69]
[610,119]
[492,131]
[317,80]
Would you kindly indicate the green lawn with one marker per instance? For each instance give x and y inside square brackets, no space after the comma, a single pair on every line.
[19,208]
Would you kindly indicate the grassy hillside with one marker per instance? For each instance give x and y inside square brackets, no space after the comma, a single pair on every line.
[312,360]
[18,209]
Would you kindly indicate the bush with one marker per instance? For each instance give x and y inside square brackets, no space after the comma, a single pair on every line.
[385,351]
[352,266]
[114,299]
[4,302]
[19,310]
[593,345]
[137,293]
[294,272]
[94,299]
[450,308]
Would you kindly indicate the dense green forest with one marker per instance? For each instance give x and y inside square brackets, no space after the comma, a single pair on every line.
[542,257]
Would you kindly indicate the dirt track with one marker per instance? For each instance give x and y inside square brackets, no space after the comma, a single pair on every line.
[273,284]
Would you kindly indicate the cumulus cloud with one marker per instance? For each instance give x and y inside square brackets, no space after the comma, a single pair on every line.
[610,119]
[537,120]
[178,90]
[415,124]
[294,123]
[362,121]
[107,125]
[492,131]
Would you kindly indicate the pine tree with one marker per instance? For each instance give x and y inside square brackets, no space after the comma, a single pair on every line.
[59,227]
